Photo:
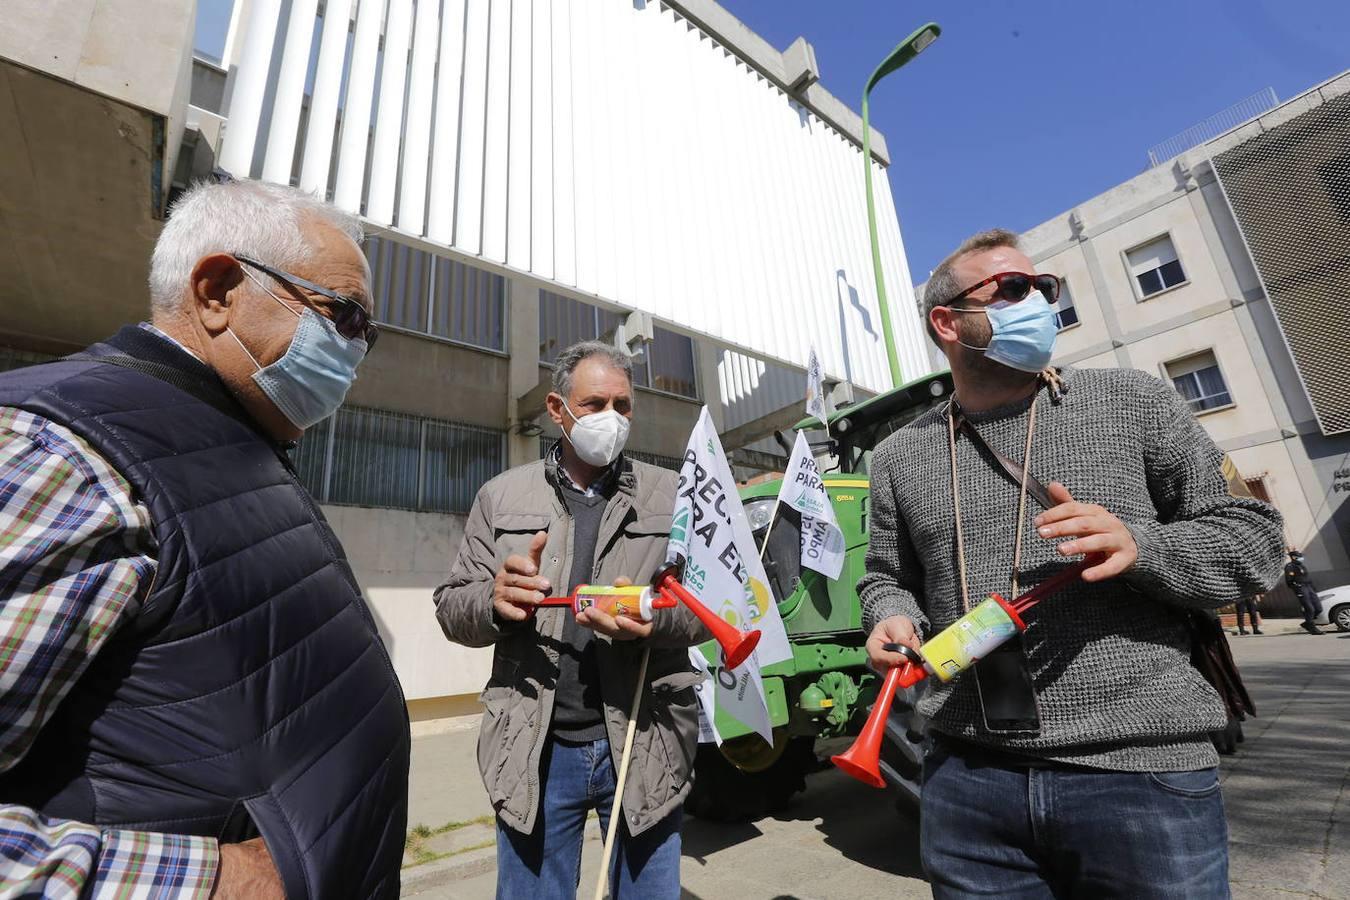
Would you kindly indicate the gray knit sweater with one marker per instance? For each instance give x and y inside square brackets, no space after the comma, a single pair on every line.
[1110,661]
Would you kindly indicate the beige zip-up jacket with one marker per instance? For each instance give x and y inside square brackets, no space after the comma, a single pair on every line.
[518,699]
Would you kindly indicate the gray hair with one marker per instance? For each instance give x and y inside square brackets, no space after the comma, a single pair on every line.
[253,218]
[569,359]
[942,284]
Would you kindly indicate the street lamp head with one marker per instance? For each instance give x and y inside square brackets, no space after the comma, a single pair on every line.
[927,34]
[906,50]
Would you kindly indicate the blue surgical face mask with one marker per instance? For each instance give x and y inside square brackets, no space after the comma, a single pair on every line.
[312,378]
[1023,333]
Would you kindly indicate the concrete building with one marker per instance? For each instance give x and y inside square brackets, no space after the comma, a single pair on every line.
[1223,268]
[531,173]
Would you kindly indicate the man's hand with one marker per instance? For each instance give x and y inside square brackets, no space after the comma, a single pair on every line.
[895,630]
[247,873]
[618,628]
[518,587]
[1093,529]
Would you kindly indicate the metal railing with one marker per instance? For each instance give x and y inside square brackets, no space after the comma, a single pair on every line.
[1215,125]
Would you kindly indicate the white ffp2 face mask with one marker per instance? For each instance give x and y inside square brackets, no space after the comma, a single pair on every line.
[599,437]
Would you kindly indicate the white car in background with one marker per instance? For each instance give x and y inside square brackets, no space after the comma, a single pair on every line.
[1335,607]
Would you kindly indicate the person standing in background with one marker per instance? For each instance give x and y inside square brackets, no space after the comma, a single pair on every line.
[1248,605]
[1296,576]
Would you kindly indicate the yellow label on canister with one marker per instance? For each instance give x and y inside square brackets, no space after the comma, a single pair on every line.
[633,601]
[968,640]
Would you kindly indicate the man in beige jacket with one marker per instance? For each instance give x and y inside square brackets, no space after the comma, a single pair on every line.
[556,705]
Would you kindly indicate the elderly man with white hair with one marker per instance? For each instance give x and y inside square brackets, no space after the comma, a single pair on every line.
[194,699]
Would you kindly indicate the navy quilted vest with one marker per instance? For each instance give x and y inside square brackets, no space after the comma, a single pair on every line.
[252,691]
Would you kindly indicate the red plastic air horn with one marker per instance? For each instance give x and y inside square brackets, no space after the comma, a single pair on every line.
[736,645]
[863,760]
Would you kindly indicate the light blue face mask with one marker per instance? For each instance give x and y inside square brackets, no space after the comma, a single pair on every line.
[311,380]
[1023,333]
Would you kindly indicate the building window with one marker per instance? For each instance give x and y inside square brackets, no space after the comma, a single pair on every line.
[668,364]
[469,305]
[1065,315]
[371,457]
[671,364]
[562,323]
[1257,485]
[1198,380]
[418,291]
[673,463]
[1155,266]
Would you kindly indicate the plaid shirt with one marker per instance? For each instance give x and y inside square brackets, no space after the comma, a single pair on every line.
[76,551]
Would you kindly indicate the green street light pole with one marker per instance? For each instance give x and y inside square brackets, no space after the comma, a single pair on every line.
[909,48]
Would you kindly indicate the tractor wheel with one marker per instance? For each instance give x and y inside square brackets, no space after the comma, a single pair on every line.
[745,778]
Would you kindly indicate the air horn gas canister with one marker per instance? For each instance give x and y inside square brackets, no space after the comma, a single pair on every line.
[630,601]
[666,592]
[953,650]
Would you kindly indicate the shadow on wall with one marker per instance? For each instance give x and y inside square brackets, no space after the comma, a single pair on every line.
[1328,551]
[849,292]
[386,633]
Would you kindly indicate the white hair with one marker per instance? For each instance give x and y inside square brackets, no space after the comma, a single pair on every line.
[251,218]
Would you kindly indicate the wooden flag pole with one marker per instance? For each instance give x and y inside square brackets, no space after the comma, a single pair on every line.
[768,532]
[616,811]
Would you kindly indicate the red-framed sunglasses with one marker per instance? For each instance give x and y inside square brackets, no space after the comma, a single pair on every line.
[1014,286]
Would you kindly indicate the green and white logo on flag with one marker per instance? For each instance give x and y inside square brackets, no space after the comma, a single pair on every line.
[709,534]
[804,490]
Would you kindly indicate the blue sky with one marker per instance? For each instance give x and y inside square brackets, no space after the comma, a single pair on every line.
[1022,110]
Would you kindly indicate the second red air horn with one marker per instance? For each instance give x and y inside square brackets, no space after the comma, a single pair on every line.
[948,653]
[736,645]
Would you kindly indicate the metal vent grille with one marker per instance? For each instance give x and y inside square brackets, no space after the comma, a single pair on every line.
[1290,192]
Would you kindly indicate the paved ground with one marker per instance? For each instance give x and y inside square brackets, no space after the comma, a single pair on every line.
[1287,792]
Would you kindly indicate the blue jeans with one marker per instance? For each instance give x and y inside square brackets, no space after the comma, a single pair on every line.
[991,831]
[546,864]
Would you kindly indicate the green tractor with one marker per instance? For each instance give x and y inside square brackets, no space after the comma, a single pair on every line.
[823,693]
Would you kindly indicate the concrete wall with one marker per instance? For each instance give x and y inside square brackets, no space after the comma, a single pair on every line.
[138,52]
[399,558]
[1221,307]
[424,377]
[99,90]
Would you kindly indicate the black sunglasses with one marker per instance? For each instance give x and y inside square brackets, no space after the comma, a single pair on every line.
[349,316]
[1014,286]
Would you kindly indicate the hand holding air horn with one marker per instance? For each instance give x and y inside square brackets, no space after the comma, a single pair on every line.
[666,592]
[950,652]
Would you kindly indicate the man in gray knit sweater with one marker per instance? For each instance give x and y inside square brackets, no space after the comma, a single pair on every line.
[1078,763]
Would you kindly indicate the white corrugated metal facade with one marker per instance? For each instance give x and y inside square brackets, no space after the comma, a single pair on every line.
[609,147]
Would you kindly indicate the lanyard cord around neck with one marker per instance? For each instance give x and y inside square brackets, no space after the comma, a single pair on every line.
[1021,501]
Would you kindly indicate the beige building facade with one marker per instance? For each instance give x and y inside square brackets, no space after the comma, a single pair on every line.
[1163,274]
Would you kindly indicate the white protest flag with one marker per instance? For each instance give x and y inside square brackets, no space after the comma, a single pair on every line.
[804,490]
[707,710]
[709,534]
[817,404]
